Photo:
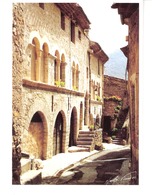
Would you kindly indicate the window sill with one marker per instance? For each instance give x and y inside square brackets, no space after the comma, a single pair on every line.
[43,86]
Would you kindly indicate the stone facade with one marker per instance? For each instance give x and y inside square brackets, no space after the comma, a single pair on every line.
[115,102]
[18,56]
[51,79]
[130,16]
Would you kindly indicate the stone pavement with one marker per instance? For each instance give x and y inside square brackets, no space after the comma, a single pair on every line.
[64,161]
[57,164]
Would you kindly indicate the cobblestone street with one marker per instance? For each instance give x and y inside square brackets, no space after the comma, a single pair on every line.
[98,169]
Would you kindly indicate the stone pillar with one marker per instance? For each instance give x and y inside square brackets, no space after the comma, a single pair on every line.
[63,64]
[81,115]
[45,68]
[37,64]
[98,139]
[58,70]
[75,78]
[86,117]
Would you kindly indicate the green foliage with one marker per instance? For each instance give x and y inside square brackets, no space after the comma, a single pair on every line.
[114,97]
[75,88]
[91,127]
[115,129]
[60,83]
[98,98]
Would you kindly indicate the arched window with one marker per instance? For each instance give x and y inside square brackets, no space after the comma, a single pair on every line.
[57,67]
[35,60]
[75,76]
[44,65]
[62,69]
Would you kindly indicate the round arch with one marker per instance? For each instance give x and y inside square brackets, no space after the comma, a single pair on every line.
[59,133]
[36,42]
[34,141]
[57,54]
[73,127]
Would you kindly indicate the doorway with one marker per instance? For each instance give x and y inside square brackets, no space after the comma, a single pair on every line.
[73,128]
[58,135]
[107,124]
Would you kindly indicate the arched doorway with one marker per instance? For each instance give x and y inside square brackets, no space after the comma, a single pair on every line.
[81,116]
[34,141]
[73,128]
[107,124]
[58,135]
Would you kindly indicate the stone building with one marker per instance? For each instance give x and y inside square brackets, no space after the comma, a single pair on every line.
[115,108]
[129,13]
[56,72]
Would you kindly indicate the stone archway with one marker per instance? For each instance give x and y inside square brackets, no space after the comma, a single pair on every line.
[34,141]
[73,128]
[59,134]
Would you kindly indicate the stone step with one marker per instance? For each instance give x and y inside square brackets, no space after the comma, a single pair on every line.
[25,165]
[84,138]
[78,149]
[31,177]
[84,142]
[117,141]
[84,146]
[86,133]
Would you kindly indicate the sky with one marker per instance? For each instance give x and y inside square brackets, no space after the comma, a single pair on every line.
[106,28]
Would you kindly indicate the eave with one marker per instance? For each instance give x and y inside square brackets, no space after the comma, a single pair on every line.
[76,13]
[98,52]
[125,10]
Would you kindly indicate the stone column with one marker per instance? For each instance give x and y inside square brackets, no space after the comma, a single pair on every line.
[63,64]
[45,76]
[86,117]
[37,64]
[58,69]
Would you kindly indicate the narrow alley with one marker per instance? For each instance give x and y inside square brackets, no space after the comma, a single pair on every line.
[62,98]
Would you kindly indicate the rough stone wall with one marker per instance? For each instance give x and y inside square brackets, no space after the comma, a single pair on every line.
[115,86]
[18,38]
[45,25]
[133,74]
[98,139]
[33,140]
[109,107]
[38,100]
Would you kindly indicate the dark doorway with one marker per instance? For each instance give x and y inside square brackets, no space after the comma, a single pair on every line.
[71,139]
[58,135]
[107,124]
[73,128]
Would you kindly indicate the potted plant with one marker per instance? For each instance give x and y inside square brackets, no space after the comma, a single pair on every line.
[91,128]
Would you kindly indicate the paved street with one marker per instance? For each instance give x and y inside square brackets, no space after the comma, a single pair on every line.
[98,169]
